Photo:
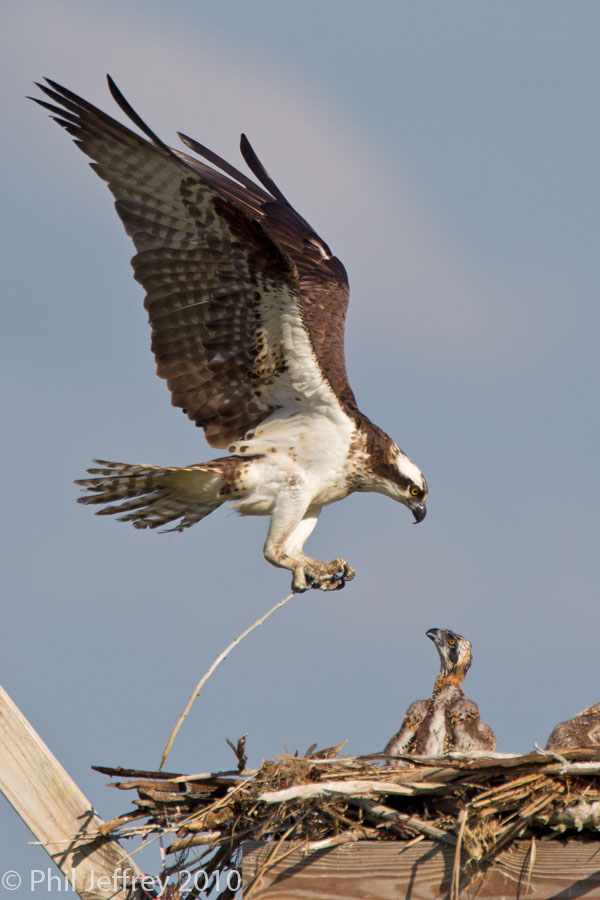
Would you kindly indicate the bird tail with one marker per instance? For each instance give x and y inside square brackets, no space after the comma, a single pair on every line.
[151,496]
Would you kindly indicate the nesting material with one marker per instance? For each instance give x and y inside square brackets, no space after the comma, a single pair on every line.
[477,805]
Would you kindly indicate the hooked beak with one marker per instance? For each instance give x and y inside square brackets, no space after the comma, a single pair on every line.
[418,511]
[433,634]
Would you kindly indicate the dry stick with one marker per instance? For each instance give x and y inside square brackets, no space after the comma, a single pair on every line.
[182,822]
[377,812]
[461,824]
[205,677]
[532,855]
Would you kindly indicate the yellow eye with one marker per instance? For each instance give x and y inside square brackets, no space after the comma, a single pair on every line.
[415,491]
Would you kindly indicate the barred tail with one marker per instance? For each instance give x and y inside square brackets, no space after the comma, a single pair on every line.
[150,496]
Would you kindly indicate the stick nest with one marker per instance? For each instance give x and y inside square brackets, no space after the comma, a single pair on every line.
[478,805]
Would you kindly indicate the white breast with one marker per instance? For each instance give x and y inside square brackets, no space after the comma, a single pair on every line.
[307,449]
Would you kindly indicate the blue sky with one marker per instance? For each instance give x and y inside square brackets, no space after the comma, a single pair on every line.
[448,154]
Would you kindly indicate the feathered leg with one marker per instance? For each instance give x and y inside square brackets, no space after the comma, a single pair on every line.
[283,548]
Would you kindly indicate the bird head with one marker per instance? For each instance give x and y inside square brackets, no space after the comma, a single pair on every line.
[406,483]
[454,651]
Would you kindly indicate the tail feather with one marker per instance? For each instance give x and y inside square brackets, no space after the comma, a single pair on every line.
[151,496]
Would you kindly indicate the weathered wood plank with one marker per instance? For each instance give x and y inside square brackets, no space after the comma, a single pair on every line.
[54,809]
[378,870]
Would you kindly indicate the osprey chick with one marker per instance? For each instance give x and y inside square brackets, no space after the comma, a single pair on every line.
[247,306]
[582,731]
[447,722]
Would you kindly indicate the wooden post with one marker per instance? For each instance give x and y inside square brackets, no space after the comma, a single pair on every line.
[55,810]
[371,870]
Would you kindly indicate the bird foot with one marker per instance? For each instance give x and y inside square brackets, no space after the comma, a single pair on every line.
[323,576]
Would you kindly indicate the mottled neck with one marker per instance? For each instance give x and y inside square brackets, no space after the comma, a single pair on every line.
[445,679]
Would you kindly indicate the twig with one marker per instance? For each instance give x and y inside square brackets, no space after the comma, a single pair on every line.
[182,822]
[398,821]
[532,855]
[552,754]
[240,751]
[120,820]
[322,788]
[199,840]
[350,836]
[205,677]
[207,776]
[576,768]
[461,823]
[415,840]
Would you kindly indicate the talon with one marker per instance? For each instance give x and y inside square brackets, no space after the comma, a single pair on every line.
[330,576]
[299,585]
[329,585]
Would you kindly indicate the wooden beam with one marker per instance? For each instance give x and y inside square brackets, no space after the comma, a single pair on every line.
[55,810]
[371,870]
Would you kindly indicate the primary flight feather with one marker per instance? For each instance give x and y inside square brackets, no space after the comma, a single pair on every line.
[247,307]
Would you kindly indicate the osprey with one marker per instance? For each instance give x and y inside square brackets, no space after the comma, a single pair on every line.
[447,722]
[247,306]
[582,731]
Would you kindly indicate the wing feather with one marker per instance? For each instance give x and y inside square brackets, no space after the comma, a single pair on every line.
[226,267]
[323,281]
[404,739]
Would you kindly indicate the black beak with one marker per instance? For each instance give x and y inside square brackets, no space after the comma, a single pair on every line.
[418,511]
[433,634]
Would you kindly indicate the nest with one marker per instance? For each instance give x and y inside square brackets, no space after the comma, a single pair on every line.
[477,805]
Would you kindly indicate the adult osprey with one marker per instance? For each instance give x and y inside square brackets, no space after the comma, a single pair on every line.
[247,307]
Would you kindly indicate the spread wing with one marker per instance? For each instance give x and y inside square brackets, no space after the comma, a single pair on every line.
[246,303]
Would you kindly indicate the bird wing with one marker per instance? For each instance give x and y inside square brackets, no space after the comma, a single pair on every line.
[402,740]
[583,730]
[468,733]
[246,303]
[463,710]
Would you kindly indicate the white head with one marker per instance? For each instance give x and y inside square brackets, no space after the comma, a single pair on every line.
[402,480]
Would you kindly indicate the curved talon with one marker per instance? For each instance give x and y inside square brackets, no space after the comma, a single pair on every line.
[299,581]
[330,585]
[322,576]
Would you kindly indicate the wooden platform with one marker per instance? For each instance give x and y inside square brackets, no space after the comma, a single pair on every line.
[378,870]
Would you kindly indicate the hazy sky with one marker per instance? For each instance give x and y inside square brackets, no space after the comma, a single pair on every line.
[448,153]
